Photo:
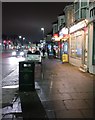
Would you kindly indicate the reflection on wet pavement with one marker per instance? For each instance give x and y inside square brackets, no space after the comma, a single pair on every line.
[24,105]
[14,110]
[60,93]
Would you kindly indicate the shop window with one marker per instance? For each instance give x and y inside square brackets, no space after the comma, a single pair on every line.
[93,57]
[76,46]
[61,21]
[73,46]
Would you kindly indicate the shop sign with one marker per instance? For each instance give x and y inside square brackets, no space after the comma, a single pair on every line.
[55,35]
[78,26]
[63,32]
[60,34]
[57,39]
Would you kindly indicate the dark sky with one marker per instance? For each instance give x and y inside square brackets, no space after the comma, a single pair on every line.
[27,18]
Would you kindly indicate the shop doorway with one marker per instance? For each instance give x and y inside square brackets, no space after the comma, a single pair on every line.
[64,51]
[86,50]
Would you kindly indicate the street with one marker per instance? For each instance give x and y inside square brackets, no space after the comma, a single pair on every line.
[47,60]
[9,64]
[64,91]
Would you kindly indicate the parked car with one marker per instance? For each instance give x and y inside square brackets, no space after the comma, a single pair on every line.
[18,52]
[36,56]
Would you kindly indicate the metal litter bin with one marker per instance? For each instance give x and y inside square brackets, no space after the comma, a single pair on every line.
[26,76]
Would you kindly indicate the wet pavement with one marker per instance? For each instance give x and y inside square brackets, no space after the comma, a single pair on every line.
[61,91]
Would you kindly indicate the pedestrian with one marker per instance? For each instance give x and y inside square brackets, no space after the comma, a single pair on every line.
[43,52]
[54,53]
[48,52]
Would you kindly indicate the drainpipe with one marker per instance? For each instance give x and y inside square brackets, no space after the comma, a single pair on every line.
[88,49]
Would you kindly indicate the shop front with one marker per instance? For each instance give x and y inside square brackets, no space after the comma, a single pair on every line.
[78,48]
[56,45]
[64,43]
[64,50]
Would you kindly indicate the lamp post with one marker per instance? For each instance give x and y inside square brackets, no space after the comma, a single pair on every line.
[20,37]
[42,29]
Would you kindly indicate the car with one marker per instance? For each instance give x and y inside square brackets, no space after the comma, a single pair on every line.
[35,56]
[18,52]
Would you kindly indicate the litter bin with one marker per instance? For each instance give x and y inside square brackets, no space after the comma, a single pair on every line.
[26,76]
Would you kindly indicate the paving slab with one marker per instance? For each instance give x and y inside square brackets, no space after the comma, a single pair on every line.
[63,91]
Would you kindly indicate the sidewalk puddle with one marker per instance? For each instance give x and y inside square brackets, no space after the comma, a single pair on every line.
[12,86]
[17,86]
[12,111]
[25,105]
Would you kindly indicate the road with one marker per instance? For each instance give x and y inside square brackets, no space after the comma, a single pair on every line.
[10,69]
[9,64]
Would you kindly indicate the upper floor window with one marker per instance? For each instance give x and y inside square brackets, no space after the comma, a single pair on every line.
[83,13]
[56,28]
[61,21]
[92,12]
[76,6]
[83,4]
[77,15]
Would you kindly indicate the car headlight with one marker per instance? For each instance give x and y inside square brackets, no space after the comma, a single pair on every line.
[14,53]
[21,53]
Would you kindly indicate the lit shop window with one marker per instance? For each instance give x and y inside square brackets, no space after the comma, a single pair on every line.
[76,46]
[73,46]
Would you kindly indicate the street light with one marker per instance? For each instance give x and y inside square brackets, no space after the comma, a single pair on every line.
[20,37]
[23,38]
[42,29]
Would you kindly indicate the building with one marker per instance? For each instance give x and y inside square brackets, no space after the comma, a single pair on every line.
[69,15]
[61,21]
[64,32]
[55,27]
[78,39]
[91,37]
[57,35]
[80,8]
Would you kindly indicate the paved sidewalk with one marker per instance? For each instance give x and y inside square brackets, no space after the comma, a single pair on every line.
[64,91]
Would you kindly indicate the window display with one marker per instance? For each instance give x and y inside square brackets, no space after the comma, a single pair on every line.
[76,46]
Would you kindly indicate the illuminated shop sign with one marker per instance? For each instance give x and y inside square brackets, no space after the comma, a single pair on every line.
[78,26]
[60,34]
[63,31]
[55,35]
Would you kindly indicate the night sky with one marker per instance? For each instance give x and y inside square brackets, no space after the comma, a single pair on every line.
[27,18]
